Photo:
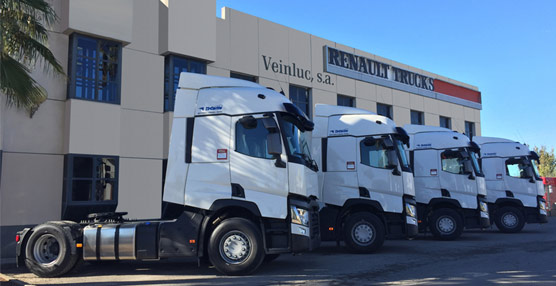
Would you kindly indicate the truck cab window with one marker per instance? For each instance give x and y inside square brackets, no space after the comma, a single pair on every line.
[295,139]
[452,162]
[516,168]
[375,154]
[251,139]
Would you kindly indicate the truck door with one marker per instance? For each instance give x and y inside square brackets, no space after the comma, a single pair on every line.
[377,171]
[256,175]
[520,181]
[455,179]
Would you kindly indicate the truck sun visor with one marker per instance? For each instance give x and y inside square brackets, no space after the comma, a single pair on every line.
[305,122]
[404,137]
[534,156]
[474,147]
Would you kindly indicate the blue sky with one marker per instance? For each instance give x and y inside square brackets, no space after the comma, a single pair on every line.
[506,48]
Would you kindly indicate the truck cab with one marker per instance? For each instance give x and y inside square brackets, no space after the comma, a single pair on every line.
[365,181]
[240,188]
[449,184]
[514,187]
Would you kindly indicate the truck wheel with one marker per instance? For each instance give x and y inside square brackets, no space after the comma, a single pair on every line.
[509,219]
[363,232]
[48,251]
[446,224]
[236,247]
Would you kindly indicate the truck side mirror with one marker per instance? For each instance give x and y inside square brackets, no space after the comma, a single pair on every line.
[273,144]
[369,141]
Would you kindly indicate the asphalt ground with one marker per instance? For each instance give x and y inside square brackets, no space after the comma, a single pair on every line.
[477,258]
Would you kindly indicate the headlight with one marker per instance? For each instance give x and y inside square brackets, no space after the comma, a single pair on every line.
[542,205]
[483,206]
[300,216]
[410,210]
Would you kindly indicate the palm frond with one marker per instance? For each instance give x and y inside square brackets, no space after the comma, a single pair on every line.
[19,87]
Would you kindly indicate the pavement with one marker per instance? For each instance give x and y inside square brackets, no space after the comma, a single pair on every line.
[477,258]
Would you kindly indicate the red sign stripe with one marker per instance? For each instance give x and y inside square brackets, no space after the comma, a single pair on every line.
[457,91]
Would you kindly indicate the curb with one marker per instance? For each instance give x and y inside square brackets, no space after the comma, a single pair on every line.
[13,281]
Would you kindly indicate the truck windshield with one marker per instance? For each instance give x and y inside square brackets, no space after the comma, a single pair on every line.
[296,140]
[475,161]
[402,155]
[535,168]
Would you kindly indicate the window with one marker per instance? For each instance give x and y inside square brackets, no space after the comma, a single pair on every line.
[452,162]
[417,117]
[173,66]
[384,110]
[301,97]
[469,129]
[346,101]
[243,76]
[375,154]
[95,69]
[516,168]
[297,141]
[90,185]
[445,122]
[251,138]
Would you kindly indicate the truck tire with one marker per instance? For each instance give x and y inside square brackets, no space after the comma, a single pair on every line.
[509,219]
[236,247]
[363,232]
[446,224]
[48,252]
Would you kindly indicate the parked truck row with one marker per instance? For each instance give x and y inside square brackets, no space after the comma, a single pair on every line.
[250,177]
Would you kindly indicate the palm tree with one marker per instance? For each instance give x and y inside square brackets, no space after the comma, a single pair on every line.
[23,40]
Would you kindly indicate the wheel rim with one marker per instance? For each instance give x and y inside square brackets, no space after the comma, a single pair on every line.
[363,233]
[446,225]
[509,220]
[46,250]
[235,247]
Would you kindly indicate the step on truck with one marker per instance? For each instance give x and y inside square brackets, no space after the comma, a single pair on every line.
[514,187]
[365,181]
[449,185]
[240,188]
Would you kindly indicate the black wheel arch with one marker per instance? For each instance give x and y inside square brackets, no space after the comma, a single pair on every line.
[359,205]
[222,209]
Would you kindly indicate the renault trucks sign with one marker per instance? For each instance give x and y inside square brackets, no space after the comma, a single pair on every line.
[369,70]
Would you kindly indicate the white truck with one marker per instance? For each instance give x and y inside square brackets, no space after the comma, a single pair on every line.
[240,188]
[365,183]
[449,185]
[514,187]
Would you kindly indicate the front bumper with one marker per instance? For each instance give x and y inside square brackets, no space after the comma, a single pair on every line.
[305,237]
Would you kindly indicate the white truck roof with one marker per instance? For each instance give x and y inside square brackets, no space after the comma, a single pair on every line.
[500,147]
[434,137]
[200,95]
[333,120]
[199,81]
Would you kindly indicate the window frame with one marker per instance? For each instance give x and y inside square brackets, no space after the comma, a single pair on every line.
[308,95]
[389,107]
[341,97]
[72,69]
[169,76]
[447,119]
[69,179]
[473,131]
[420,114]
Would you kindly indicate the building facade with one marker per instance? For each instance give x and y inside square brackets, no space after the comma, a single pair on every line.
[101,138]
